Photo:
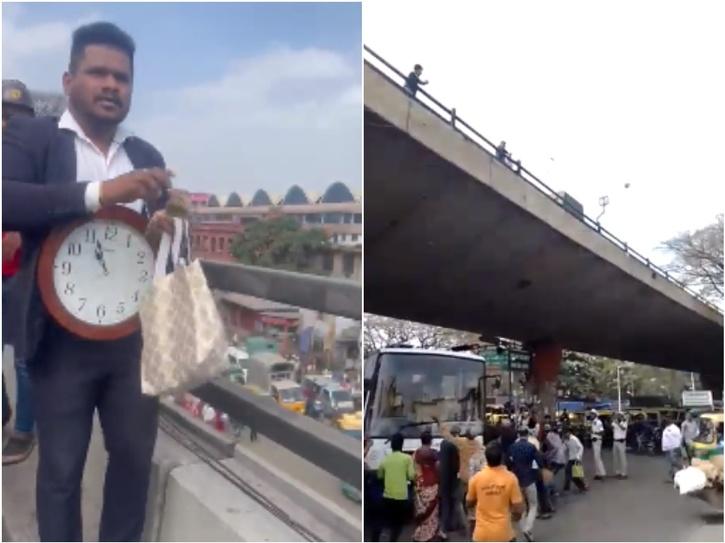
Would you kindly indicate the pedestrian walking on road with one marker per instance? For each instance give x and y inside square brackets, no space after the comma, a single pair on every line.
[524,456]
[413,80]
[449,465]
[689,433]
[396,470]
[619,447]
[597,432]
[672,447]
[467,447]
[574,468]
[495,495]
[426,490]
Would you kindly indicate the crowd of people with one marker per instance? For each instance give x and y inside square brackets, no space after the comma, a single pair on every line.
[482,490]
[494,487]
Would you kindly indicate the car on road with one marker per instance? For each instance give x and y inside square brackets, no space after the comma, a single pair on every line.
[288,394]
[334,401]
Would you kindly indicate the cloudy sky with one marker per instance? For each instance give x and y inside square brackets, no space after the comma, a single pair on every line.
[236,96]
[590,96]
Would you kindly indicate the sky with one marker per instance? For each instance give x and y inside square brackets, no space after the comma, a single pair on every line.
[236,96]
[589,95]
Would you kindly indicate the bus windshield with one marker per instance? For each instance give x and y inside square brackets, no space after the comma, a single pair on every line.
[415,387]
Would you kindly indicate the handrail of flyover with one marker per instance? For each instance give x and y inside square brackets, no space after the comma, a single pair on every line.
[458,124]
[321,445]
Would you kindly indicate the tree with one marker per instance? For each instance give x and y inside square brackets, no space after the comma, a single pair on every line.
[279,243]
[698,259]
[379,332]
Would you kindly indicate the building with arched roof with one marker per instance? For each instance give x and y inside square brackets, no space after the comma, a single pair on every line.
[260,198]
[337,193]
[295,196]
[338,213]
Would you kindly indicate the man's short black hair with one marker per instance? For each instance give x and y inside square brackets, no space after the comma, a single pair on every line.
[494,454]
[396,442]
[99,34]
[426,438]
[417,67]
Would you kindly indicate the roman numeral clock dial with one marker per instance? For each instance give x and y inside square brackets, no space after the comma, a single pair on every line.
[94,273]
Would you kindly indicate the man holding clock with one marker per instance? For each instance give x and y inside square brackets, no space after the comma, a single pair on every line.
[58,173]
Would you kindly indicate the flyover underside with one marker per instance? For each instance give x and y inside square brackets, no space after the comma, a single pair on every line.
[444,248]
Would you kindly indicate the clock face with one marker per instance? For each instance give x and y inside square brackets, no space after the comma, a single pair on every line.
[102,270]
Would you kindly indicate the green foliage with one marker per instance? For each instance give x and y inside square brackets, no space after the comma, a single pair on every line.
[593,377]
[279,243]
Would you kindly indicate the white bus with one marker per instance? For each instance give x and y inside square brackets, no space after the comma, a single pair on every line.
[406,388]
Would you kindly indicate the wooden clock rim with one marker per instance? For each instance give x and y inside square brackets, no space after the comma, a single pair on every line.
[50,298]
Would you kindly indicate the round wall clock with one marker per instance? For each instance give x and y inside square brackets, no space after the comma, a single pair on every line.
[94,272]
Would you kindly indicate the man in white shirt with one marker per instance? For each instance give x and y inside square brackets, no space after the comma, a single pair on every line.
[54,173]
[672,447]
[597,432]
[574,453]
[619,447]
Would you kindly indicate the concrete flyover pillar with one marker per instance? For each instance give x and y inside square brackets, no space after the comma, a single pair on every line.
[544,374]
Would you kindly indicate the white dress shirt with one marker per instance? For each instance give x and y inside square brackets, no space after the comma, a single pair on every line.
[94,167]
[619,429]
[671,438]
[574,448]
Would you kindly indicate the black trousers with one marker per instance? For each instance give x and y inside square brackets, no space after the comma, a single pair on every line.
[581,485]
[395,513]
[72,378]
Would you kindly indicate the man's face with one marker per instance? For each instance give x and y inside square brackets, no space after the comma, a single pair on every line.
[418,71]
[14,110]
[101,86]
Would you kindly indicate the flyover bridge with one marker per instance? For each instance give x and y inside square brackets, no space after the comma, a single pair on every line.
[280,476]
[455,238]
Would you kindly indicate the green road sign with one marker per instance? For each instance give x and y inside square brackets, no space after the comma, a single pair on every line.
[519,361]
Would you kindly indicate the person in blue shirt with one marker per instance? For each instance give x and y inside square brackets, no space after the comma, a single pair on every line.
[413,80]
[526,460]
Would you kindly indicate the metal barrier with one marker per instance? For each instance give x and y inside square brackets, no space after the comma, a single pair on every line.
[323,446]
[451,116]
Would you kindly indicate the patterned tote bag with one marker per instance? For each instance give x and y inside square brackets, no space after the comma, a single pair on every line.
[184,338]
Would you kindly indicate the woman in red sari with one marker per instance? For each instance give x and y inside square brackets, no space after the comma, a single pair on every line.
[426,490]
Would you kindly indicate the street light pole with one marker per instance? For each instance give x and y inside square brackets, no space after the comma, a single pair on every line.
[619,390]
[692,381]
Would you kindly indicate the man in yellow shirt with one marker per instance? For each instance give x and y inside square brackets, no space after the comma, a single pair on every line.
[495,493]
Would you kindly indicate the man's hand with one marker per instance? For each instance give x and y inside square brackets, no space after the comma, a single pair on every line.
[159,223]
[179,203]
[11,243]
[147,184]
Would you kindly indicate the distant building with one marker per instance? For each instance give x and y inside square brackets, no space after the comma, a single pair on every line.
[217,221]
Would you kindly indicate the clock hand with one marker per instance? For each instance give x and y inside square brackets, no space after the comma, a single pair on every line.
[100,258]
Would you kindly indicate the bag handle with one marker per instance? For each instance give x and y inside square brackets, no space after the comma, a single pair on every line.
[162,258]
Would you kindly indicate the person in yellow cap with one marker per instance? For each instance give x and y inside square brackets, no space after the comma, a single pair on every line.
[17,102]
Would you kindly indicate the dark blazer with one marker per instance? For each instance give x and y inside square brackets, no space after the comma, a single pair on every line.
[41,191]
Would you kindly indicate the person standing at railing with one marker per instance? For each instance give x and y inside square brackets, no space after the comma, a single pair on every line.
[55,171]
[504,156]
[413,80]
